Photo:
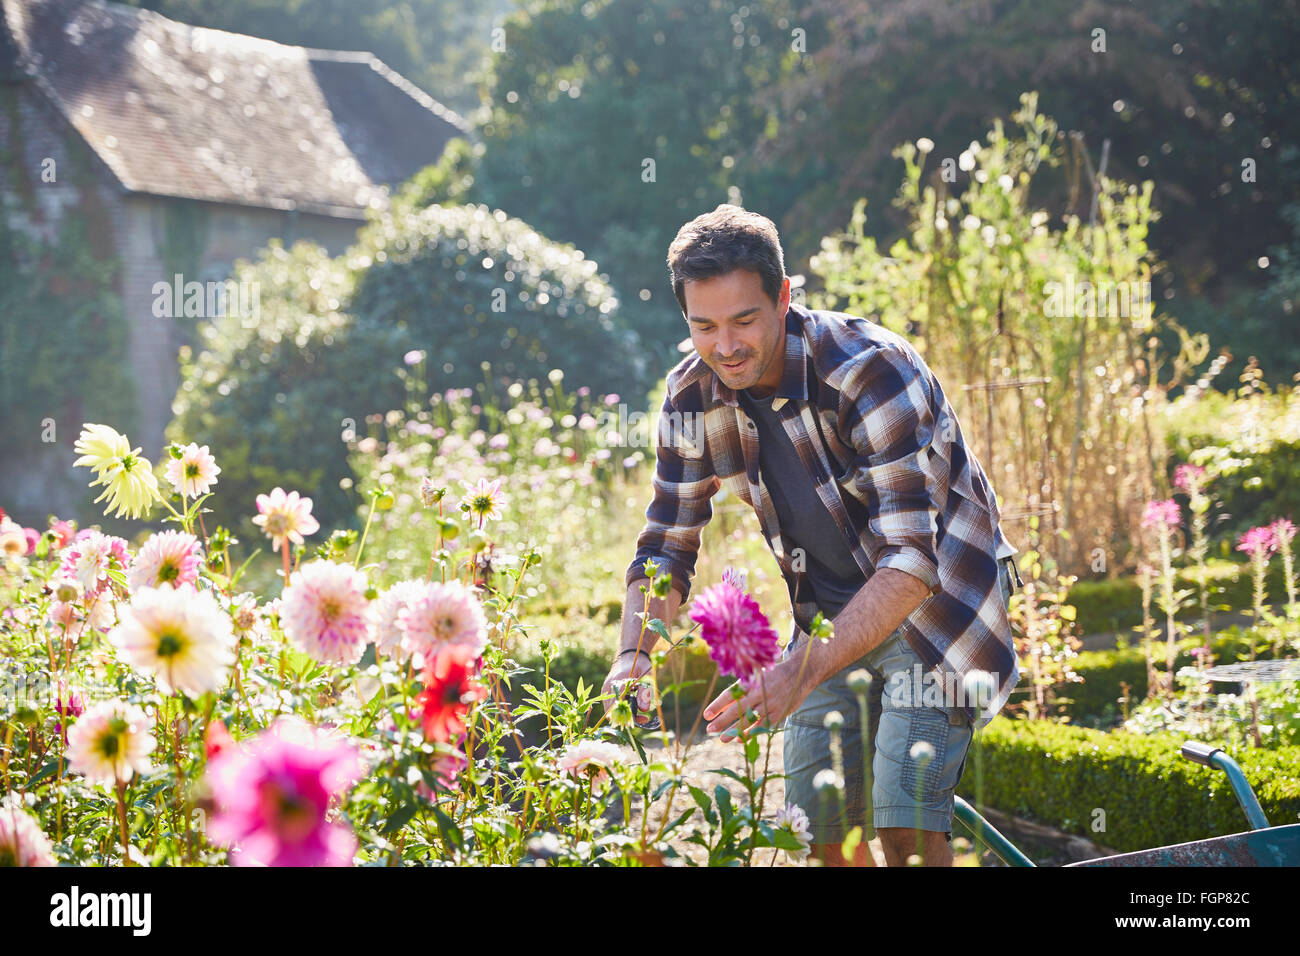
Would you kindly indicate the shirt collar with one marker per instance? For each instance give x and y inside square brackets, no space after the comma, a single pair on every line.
[794,374]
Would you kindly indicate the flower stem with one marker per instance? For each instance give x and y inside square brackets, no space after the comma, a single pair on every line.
[374,499]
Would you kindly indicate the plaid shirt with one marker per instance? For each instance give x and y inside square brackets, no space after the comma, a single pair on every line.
[886,455]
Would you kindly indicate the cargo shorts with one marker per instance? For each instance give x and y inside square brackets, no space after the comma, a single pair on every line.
[905,793]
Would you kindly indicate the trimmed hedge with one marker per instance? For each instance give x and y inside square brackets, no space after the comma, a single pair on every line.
[1095,702]
[1116,604]
[1059,775]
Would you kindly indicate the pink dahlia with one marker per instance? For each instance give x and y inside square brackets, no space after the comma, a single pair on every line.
[272,794]
[741,640]
[167,558]
[1257,542]
[194,472]
[22,843]
[447,763]
[89,558]
[384,611]
[285,516]
[592,757]
[441,614]
[324,612]
[1161,513]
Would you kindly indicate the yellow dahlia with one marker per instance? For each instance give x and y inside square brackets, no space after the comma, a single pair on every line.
[129,479]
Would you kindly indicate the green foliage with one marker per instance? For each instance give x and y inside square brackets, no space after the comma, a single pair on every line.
[468,284]
[1250,440]
[995,291]
[271,394]
[1059,775]
[586,92]
[1183,91]
[1115,604]
[283,396]
[450,180]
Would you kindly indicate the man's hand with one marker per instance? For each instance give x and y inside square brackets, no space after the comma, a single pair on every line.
[779,692]
[625,667]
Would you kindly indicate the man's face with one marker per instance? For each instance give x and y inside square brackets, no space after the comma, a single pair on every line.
[737,330]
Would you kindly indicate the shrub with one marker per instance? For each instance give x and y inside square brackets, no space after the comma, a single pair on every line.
[1116,604]
[1152,796]
[282,397]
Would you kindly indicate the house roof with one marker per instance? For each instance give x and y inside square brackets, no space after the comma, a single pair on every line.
[177,110]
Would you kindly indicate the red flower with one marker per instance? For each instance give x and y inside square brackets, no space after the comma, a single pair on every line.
[65,531]
[216,739]
[449,690]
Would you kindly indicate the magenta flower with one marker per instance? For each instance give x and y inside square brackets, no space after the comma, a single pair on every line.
[1283,533]
[272,795]
[734,577]
[1189,478]
[1162,513]
[740,638]
[1258,542]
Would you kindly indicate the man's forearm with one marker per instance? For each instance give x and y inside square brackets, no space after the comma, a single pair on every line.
[664,608]
[882,604]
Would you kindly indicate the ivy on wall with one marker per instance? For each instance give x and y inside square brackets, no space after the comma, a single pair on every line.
[63,333]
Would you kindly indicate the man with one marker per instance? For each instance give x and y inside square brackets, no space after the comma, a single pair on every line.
[839,436]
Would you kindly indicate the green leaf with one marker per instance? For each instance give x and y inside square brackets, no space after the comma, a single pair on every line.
[447,827]
[705,804]
[44,772]
[723,797]
[399,818]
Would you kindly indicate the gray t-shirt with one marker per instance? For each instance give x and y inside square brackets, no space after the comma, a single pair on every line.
[832,571]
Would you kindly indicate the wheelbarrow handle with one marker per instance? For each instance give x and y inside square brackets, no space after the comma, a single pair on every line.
[1197,752]
[986,833]
[1209,756]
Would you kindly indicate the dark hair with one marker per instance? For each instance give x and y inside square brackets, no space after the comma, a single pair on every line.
[715,243]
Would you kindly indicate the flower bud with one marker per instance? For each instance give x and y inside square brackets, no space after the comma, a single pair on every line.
[620,715]
[833,720]
[828,778]
[859,681]
[978,687]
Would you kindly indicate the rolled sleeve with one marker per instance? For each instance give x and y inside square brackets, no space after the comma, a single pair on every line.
[892,435]
[681,504]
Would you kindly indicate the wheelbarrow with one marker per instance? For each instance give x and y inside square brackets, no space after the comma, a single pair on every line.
[1261,845]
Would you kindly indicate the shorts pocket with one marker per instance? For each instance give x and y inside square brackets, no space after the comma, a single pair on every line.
[928,726]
